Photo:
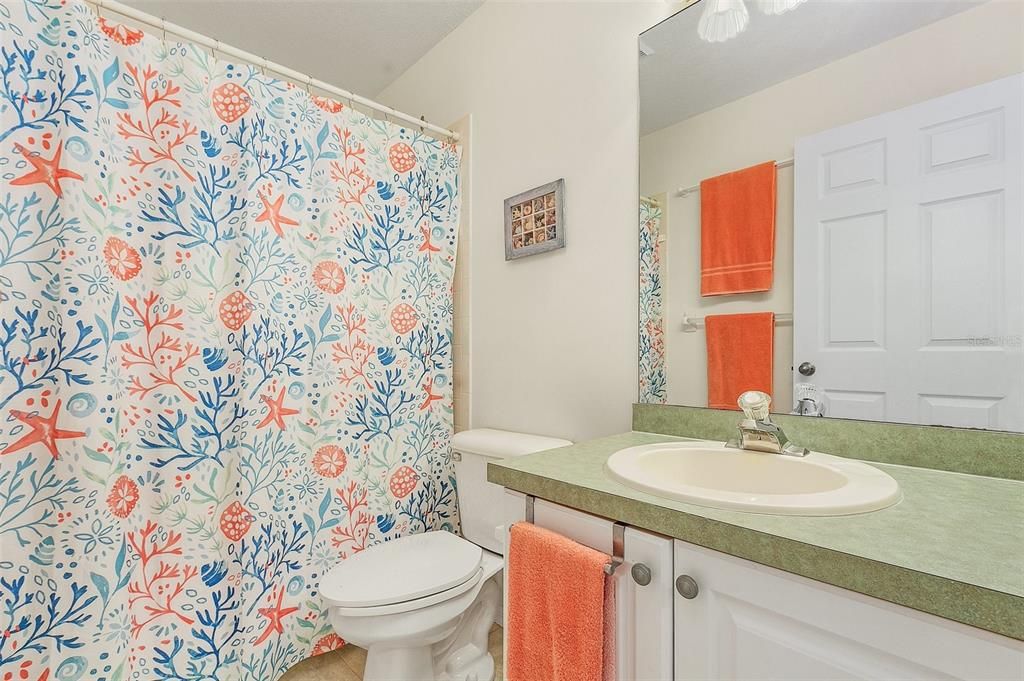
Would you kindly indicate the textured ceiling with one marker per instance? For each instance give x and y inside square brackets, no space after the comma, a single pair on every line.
[359,45]
[686,76]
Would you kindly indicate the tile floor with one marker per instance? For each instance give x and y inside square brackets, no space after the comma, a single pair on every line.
[347,663]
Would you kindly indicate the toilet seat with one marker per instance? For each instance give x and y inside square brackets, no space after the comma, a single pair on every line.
[404,574]
[414,604]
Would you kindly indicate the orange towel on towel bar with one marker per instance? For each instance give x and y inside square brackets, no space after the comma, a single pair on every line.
[561,609]
[741,350]
[737,231]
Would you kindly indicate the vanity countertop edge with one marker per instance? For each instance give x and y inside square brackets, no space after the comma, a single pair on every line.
[953,547]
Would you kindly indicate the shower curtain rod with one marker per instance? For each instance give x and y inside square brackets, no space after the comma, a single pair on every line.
[291,74]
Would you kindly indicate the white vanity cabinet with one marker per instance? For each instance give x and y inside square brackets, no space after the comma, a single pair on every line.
[643,613]
[749,621]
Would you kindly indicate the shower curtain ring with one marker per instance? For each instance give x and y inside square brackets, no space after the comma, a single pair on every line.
[263,68]
[309,85]
[424,119]
[163,30]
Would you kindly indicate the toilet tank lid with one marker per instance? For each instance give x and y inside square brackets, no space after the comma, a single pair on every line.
[501,444]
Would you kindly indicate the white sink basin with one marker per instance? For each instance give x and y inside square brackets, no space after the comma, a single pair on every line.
[711,474]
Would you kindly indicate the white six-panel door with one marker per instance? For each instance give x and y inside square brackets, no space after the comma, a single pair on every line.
[909,251]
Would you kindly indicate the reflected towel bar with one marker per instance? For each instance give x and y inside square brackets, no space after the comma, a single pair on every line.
[693,189]
[693,324]
[618,537]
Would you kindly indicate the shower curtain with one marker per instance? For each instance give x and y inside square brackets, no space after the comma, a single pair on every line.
[653,386]
[225,334]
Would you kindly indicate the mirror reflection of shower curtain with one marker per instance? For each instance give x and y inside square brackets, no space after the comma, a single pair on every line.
[225,334]
[653,388]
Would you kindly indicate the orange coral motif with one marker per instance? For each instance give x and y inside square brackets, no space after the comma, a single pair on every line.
[235,310]
[327,104]
[123,261]
[330,461]
[403,482]
[45,171]
[235,521]
[327,643]
[230,102]
[329,277]
[120,33]
[44,431]
[123,497]
[402,157]
[404,318]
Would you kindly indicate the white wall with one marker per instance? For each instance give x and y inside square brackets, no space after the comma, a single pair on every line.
[973,47]
[552,88]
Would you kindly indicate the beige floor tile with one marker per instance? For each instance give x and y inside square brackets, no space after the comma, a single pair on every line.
[355,658]
[327,667]
[495,646]
[348,663]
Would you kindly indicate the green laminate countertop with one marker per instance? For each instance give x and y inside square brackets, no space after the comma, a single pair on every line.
[953,547]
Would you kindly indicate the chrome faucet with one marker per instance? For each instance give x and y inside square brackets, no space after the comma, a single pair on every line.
[757,431]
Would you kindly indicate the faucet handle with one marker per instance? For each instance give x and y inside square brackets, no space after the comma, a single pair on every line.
[755,405]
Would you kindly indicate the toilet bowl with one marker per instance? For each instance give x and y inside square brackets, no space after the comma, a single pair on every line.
[422,605]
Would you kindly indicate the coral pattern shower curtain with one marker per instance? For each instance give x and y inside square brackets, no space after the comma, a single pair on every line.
[225,325]
[653,384]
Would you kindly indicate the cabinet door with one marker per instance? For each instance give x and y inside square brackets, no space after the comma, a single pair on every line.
[749,621]
[643,631]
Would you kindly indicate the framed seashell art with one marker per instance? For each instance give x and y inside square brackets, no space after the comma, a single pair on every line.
[535,220]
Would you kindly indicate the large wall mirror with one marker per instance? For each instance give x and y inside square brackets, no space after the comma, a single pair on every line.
[830,209]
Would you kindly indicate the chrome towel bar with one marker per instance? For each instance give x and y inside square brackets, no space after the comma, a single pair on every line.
[618,537]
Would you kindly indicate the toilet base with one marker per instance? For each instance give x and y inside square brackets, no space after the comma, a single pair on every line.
[436,648]
[463,656]
[389,664]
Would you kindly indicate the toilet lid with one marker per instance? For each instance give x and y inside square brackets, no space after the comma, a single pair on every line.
[403,569]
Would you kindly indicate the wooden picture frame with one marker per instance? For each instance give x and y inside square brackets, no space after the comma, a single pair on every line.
[535,220]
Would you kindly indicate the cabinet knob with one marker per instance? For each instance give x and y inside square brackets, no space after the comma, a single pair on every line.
[641,574]
[687,586]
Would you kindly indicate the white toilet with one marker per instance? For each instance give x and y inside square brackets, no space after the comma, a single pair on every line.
[423,605]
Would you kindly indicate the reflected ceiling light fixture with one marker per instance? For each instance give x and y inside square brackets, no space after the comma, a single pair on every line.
[775,7]
[726,19]
[722,20]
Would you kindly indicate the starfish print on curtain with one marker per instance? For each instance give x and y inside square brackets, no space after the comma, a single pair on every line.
[225,352]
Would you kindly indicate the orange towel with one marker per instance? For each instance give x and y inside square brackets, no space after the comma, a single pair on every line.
[737,231]
[740,354]
[560,612]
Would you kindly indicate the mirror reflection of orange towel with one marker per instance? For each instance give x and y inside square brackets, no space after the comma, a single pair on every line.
[737,231]
[740,356]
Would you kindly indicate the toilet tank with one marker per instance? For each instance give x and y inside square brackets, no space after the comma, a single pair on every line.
[480,502]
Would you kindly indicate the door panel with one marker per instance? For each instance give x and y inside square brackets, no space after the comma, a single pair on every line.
[909,296]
